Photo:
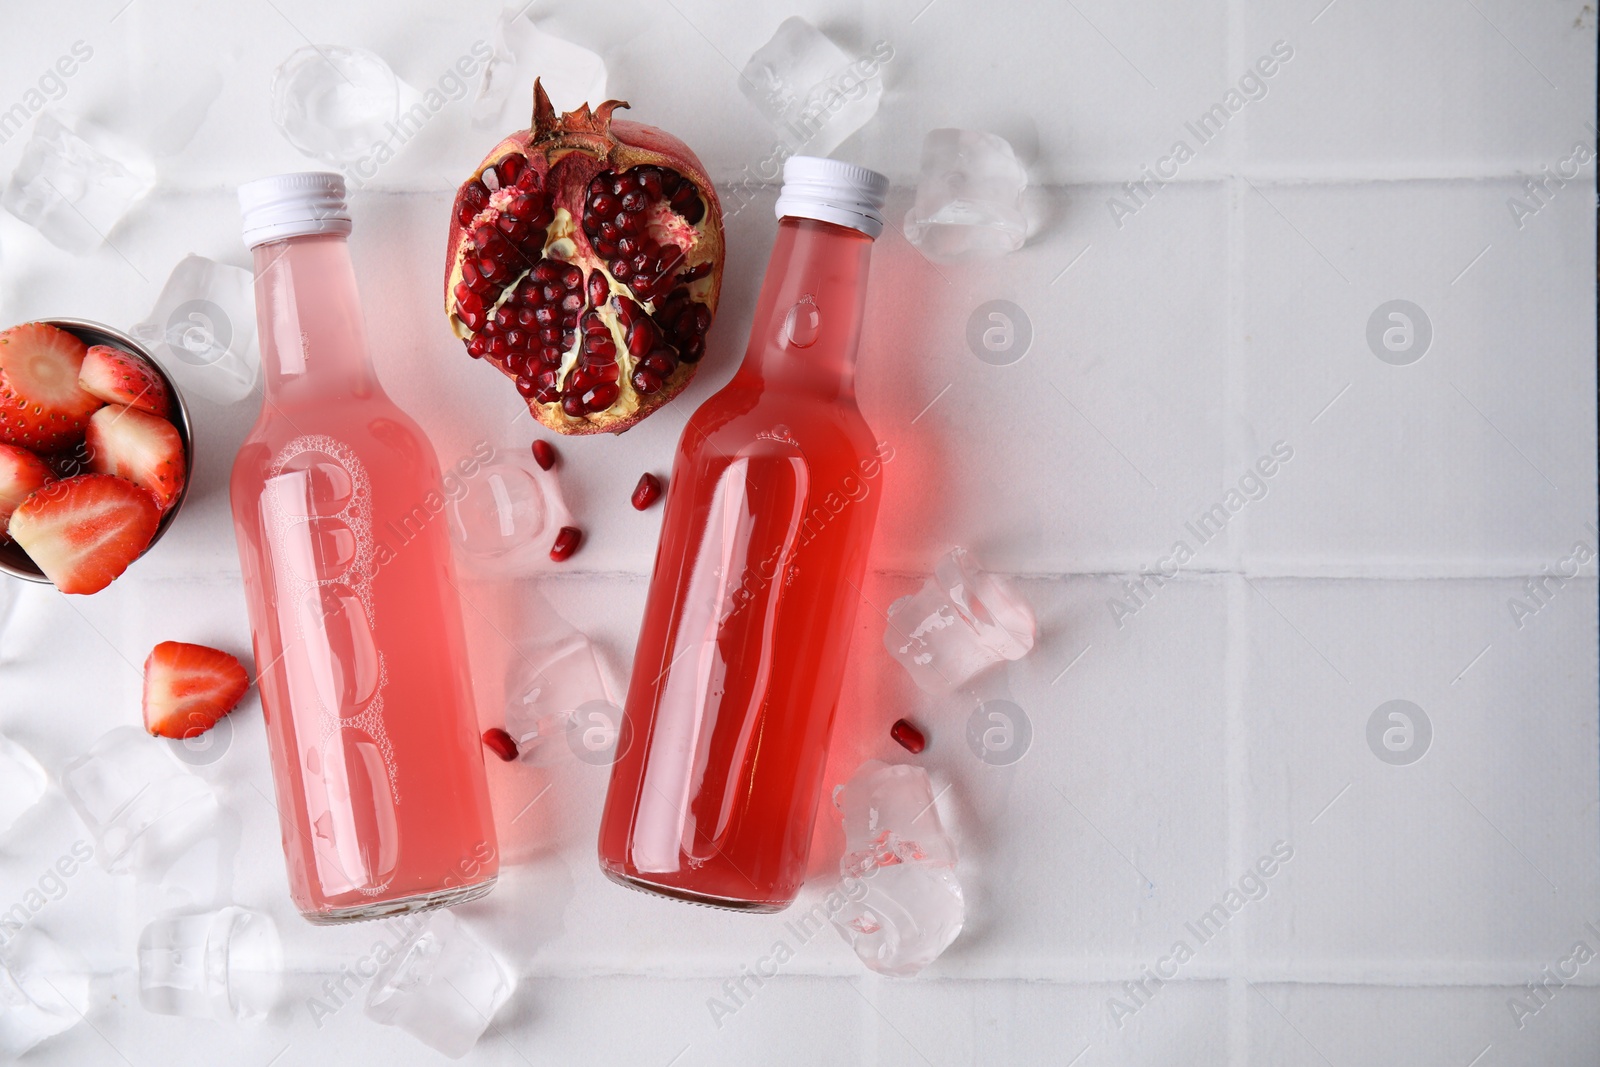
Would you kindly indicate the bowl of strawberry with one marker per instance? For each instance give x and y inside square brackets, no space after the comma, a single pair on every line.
[95,453]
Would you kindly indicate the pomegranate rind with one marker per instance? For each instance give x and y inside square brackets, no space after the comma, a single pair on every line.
[567,152]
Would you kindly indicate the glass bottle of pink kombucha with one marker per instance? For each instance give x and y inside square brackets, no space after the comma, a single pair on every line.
[774,493]
[356,619]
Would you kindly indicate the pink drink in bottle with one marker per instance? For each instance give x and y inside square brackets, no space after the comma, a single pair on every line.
[741,656]
[356,619]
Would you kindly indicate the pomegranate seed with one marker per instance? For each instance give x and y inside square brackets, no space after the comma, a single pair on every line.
[599,288]
[526,385]
[477,346]
[544,454]
[621,269]
[693,349]
[525,317]
[641,339]
[650,180]
[646,492]
[547,271]
[547,394]
[660,362]
[909,737]
[567,541]
[645,381]
[500,743]
[551,336]
[546,315]
[508,169]
[606,372]
[572,404]
[633,201]
[601,396]
[605,248]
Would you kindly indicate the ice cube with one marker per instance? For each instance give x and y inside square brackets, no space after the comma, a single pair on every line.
[44,991]
[903,904]
[809,89]
[570,73]
[142,808]
[224,965]
[75,182]
[195,872]
[442,986]
[203,329]
[549,696]
[504,516]
[959,623]
[969,197]
[337,104]
[22,782]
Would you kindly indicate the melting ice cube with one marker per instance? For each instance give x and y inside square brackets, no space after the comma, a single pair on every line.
[44,991]
[554,690]
[203,329]
[145,812]
[903,903]
[505,514]
[959,623]
[442,986]
[570,73]
[809,89]
[337,104]
[969,197]
[22,783]
[75,182]
[225,965]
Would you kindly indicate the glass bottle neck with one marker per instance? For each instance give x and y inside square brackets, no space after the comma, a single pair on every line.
[308,313]
[808,317]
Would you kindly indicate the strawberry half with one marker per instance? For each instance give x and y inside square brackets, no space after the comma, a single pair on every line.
[187,688]
[119,377]
[42,407]
[21,472]
[138,446]
[84,531]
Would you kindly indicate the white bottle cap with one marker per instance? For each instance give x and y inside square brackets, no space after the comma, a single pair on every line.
[833,191]
[292,205]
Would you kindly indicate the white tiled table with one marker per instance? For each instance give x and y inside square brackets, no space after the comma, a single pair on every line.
[1173,745]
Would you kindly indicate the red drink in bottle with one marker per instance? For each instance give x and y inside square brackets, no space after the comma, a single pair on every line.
[774,494]
[353,608]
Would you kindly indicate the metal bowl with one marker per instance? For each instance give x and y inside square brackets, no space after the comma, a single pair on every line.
[13,560]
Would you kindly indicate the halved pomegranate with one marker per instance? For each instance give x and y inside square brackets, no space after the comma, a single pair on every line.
[584,263]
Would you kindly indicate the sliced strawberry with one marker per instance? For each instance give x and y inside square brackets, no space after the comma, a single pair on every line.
[21,472]
[84,531]
[187,688]
[42,407]
[119,377]
[138,446]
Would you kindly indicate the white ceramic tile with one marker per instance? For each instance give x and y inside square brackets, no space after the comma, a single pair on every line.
[1298,1025]
[1428,88]
[1473,458]
[1476,859]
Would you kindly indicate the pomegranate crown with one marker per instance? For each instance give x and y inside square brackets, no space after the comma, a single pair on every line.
[577,125]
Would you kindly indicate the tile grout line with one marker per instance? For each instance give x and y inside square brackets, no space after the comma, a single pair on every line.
[1235,452]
